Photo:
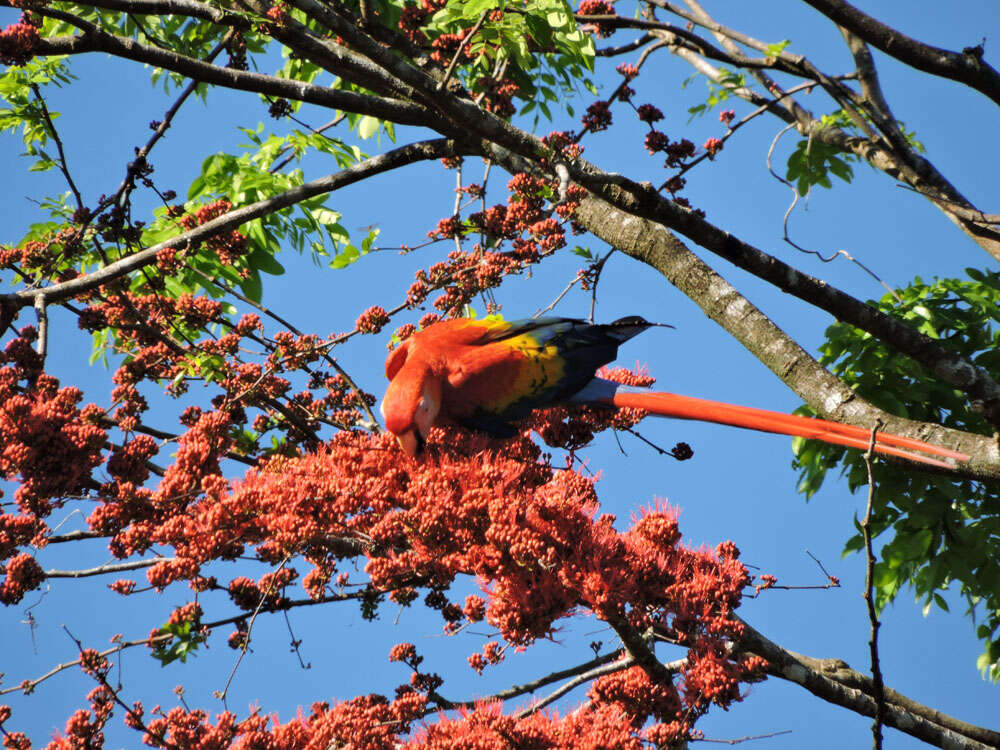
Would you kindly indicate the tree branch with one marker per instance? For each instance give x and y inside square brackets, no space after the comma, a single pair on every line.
[105,569]
[649,242]
[418,151]
[96,40]
[905,164]
[835,682]
[966,67]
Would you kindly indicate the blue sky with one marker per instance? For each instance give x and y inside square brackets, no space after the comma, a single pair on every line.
[739,485]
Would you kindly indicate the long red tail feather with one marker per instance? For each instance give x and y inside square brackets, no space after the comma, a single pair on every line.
[686,407]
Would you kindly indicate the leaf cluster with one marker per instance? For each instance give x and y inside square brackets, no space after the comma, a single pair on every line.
[185,639]
[941,530]
[537,44]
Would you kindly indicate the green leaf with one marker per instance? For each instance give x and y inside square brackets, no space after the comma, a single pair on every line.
[345,258]
[252,286]
[367,127]
[264,261]
[942,529]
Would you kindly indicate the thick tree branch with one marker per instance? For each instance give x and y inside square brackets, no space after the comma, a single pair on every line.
[835,682]
[649,242]
[966,67]
[871,88]
[190,8]
[618,220]
[464,114]
[639,650]
[95,40]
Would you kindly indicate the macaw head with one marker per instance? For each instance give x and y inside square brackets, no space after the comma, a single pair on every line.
[412,401]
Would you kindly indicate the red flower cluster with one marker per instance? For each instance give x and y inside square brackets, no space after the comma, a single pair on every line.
[372,320]
[534,533]
[21,575]
[649,113]
[628,71]
[600,727]
[492,654]
[17,43]
[597,8]
[47,255]
[445,46]
[370,722]
[45,439]
[499,95]
[468,273]
[598,116]
[636,696]
[85,728]
[656,141]
[410,21]
[574,426]
[564,144]
[232,245]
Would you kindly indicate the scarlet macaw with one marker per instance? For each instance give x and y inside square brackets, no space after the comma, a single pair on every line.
[483,374]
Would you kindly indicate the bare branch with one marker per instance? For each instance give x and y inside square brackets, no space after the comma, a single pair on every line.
[966,67]
[878,688]
[101,570]
[835,682]
[29,685]
[892,155]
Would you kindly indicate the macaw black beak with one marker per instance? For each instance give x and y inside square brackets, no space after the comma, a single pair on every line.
[411,442]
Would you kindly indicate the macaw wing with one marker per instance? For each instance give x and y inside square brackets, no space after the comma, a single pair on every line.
[519,366]
[541,329]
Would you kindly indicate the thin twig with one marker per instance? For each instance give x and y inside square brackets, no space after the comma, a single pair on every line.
[624,48]
[63,166]
[130,711]
[748,738]
[332,361]
[295,642]
[878,688]
[246,639]
[121,196]
[576,280]
[28,685]
[788,212]
[765,107]
[615,666]
[278,166]
[598,268]
[516,691]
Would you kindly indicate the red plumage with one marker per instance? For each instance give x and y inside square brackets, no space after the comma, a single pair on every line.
[484,374]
